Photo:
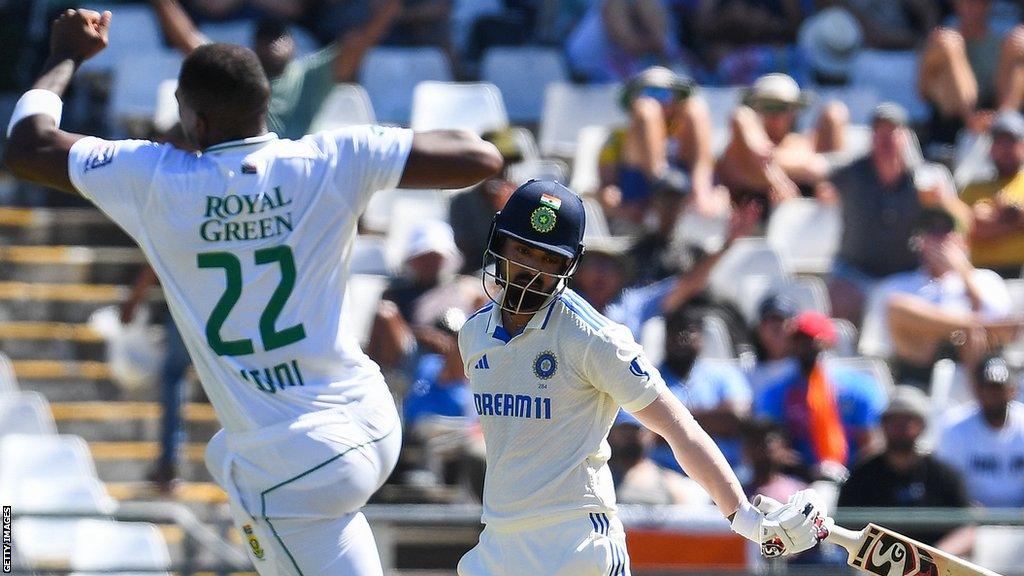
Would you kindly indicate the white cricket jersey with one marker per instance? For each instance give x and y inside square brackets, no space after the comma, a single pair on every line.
[547,399]
[991,461]
[251,241]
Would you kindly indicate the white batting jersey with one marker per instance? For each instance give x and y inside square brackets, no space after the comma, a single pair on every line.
[251,241]
[547,399]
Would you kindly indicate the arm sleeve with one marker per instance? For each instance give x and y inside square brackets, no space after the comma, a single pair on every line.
[116,176]
[367,159]
[616,365]
[996,303]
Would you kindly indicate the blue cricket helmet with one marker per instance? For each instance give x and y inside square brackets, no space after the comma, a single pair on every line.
[545,215]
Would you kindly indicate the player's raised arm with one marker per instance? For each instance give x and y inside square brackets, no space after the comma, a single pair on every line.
[449,159]
[37,149]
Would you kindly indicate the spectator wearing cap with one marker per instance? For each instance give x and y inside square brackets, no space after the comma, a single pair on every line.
[830,40]
[830,415]
[904,476]
[298,86]
[716,393]
[881,24]
[637,478]
[619,38]
[767,158]
[913,315]
[997,205]
[879,205]
[669,129]
[427,286]
[471,211]
[772,342]
[970,69]
[986,441]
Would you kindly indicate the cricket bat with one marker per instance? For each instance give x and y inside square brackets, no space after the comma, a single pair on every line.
[878,550]
[881,551]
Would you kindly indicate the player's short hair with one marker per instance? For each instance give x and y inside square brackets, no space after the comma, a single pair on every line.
[226,82]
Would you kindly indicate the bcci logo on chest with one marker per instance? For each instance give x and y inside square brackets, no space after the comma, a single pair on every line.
[545,365]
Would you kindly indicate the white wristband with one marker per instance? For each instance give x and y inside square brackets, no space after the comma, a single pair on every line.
[36,101]
[747,522]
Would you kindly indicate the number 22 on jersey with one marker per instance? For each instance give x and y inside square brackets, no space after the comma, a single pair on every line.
[272,337]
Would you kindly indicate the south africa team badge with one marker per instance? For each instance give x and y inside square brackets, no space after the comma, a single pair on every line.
[545,365]
[254,544]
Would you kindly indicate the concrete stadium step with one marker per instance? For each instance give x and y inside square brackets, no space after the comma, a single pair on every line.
[130,461]
[203,493]
[129,421]
[70,264]
[48,302]
[59,226]
[63,381]
[51,340]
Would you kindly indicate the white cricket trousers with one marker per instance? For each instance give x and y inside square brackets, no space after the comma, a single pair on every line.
[593,544]
[295,489]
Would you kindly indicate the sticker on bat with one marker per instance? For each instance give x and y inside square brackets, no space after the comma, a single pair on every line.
[887,555]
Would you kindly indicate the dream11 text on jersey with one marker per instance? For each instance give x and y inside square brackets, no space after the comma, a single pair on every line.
[221,208]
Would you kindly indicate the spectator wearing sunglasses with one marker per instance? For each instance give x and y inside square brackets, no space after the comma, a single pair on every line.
[669,128]
[767,158]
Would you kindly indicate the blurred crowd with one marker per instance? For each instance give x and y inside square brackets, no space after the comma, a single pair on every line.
[894,383]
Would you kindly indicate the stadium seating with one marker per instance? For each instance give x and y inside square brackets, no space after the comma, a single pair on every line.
[369,256]
[137,33]
[721,102]
[104,546]
[50,473]
[361,299]
[391,74]
[999,548]
[407,211]
[748,272]
[893,75]
[805,233]
[705,232]
[8,380]
[522,74]
[877,369]
[25,413]
[473,106]
[860,101]
[809,293]
[717,344]
[569,108]
[585,176]
[846,338]
[522,172]
[346,105]
[241,32]
[136,84]
[165,115]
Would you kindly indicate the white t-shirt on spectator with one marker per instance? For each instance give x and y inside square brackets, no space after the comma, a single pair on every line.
[991,461]
[948,292]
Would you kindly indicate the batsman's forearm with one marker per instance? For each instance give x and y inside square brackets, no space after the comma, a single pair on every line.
[57,74]
[700,457]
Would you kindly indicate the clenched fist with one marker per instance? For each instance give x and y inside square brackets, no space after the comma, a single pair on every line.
[79,34]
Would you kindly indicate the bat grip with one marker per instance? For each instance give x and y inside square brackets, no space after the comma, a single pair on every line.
[849,539]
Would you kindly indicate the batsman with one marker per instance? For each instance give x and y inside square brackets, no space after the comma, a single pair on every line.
[548,375]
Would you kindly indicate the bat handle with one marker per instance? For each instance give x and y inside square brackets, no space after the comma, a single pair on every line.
[849,539]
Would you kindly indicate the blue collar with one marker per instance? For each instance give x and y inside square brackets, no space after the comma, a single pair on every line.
[539,321]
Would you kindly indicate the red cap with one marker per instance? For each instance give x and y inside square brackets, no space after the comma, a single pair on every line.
[816,325]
